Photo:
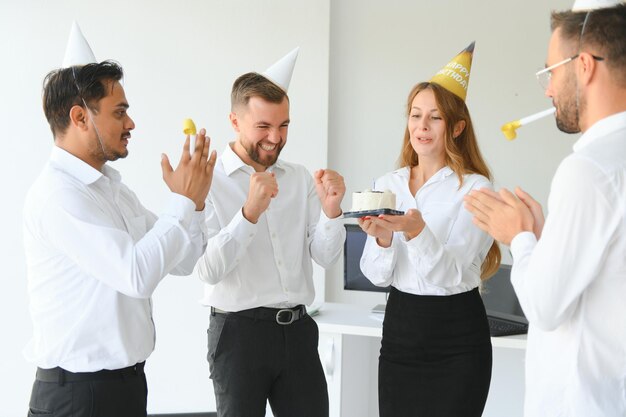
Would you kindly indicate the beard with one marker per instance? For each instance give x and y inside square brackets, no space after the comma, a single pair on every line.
[111,155]
[104,153]
[568,106]
[253,153]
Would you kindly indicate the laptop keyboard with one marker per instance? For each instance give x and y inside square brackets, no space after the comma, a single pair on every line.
[500,327]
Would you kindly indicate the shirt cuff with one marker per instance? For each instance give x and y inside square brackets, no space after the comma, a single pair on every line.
[242,230]
[328,225]
[383,258]
[198,222]
[180,208]
[424,243]
[522,243]
[390,250]
[199,216]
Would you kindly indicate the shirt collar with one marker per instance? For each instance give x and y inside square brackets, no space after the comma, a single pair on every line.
[232,162]
[79,169]
[601,128]
[444,172]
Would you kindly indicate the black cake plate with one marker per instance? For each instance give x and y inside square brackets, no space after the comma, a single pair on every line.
[372,213]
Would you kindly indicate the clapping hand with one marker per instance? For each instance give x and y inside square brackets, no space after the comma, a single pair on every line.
[503,214]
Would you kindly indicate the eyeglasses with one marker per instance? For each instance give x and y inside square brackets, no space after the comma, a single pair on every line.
[545,75]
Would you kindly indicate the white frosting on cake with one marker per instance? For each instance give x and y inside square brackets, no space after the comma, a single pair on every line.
[373,200]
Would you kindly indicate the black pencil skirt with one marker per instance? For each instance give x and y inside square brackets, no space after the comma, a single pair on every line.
[435,358]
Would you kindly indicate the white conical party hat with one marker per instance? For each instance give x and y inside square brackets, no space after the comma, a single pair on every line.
[78,51]
[586,5]
[280,72]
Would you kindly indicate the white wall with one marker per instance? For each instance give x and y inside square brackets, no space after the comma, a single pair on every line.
[388,47]
[358,60]
[180,60]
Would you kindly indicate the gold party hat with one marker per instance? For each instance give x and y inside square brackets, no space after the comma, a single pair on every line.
[455,76]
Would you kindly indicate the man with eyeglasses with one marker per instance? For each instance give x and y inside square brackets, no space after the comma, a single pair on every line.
[570,274]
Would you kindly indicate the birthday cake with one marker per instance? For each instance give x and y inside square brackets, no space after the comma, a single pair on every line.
[373,200]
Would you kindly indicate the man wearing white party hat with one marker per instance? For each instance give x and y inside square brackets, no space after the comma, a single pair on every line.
[77,51]
[570,273]
[268,219]
[94,254]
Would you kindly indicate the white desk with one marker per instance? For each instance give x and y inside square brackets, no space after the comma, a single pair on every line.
[349,345]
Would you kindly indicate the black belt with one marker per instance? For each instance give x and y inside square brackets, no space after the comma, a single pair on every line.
[61,376]
[278,315]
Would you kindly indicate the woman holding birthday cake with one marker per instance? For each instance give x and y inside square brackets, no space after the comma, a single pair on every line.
[435,358]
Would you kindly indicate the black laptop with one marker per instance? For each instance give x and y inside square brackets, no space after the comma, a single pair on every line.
[504,312]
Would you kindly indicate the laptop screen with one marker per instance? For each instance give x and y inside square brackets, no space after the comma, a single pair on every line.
[353,278]
[498,294]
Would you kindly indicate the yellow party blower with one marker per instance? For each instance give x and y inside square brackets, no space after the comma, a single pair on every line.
[509,129]
[189,127]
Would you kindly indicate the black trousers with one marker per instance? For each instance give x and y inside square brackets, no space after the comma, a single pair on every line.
[435,358]
[119,393]
[252,361]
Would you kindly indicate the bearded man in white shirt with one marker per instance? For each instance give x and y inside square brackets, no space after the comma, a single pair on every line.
[570,274]
[95,254]
[267,219]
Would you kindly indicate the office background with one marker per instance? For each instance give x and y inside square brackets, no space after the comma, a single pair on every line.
[357,63]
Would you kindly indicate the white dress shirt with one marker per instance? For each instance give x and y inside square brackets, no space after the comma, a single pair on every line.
[446,257]
[250,265]
[572,283]
[94,256]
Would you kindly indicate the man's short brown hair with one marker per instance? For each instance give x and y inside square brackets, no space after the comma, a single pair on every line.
[251,85]
[604,35]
